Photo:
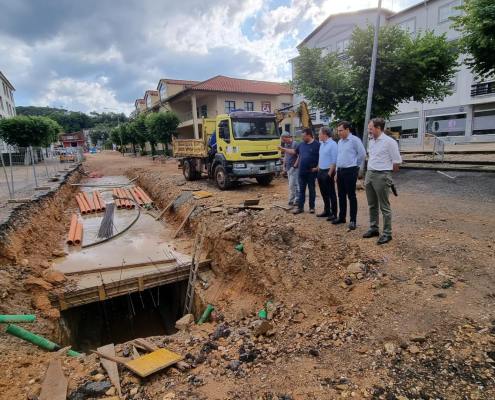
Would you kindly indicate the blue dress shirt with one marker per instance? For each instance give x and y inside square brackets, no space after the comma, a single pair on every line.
[328,154]
[351,152]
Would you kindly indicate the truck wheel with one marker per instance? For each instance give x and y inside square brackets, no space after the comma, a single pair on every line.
[264,180]
[222,178]
[188,170]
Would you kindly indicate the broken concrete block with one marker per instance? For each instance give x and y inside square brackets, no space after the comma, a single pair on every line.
[185,322]
[355,268]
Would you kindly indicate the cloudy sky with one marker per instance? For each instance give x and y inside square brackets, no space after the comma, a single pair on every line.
[91,54]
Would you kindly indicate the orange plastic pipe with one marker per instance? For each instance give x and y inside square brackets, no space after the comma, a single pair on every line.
[72,229]
[102,202]
[129,195]
[146,198]
[127,203]
[137,196]
[86,205]
[84,202]
[81,205]
[89,200]
[117,201]
[79,233]
[96,202]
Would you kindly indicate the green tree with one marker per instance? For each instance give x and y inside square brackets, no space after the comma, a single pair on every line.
[100,132]
[140,132]
[162,126]
[477,27]
[409,68]
[25,131]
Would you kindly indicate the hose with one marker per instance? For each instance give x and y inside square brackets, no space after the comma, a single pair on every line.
[7,319]
[38,340]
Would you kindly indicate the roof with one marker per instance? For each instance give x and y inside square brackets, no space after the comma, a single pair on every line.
[222,83]
[139,101]
[3,77]
[421,3]
[330,17]
[151,92]
[178,82]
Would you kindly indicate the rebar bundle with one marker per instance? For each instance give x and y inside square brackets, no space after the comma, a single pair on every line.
[106,226]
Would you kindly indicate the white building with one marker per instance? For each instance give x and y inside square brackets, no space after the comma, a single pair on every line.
[468,115]
[7,105]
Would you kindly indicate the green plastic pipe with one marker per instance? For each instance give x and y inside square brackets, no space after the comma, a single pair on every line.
[206,314]
[38,340]
[7,319]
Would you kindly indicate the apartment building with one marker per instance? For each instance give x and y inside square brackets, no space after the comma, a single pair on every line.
[7,104]
[194,100]
[468,115]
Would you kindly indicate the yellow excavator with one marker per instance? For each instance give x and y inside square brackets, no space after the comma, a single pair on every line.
[300,110]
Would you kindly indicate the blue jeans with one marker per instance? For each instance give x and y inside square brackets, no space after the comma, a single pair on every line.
[307,179]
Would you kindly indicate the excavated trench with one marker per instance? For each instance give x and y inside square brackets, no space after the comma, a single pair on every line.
[151,312]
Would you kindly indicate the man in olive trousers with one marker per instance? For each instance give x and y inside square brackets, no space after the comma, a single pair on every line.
[384,158]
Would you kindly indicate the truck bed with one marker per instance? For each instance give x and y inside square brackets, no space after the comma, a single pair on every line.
[189,148]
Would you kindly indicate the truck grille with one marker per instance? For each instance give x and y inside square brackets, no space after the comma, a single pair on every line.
[258,153]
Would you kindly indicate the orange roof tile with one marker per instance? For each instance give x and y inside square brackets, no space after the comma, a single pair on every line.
[180,81]
[222,83]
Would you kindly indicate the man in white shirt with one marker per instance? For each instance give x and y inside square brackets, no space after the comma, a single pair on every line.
[384,158]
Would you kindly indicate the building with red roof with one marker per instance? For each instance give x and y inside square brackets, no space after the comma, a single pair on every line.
[194,100]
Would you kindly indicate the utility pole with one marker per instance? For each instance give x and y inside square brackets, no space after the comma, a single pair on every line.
[372,78]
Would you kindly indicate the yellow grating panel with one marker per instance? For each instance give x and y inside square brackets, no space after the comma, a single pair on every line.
[152,362]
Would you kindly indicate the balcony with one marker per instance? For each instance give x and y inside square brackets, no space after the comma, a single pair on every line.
[482,88]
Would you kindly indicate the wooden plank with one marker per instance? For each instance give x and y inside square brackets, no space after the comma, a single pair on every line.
[166,208]
[54,385]
[184,222]
[101,293]
[111,366]
[118,267]
[251,202]
[140,283]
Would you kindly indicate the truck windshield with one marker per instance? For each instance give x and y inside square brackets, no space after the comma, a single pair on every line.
[254,129]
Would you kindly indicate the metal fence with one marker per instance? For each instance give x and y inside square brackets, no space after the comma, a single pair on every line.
[26,170]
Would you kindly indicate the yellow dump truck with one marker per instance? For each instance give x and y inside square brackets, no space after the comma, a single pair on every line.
[242,144]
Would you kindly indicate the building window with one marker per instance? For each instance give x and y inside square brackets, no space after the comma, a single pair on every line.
[266,106]
[287,128]
[163,91]
[286,105]
[203,111]
[249,106]
[448,10]
[484,122]
[1,103]
[447,125]
[407,128]
[229,106]
[408,25]
[342,45]
[482,88]
[148,101]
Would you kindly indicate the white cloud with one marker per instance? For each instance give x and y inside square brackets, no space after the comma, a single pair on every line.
[95,55]
[73,94]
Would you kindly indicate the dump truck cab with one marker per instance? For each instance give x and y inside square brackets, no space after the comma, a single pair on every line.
[246,147]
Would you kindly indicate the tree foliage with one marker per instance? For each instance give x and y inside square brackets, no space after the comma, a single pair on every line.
[72,121]
[162,126]
[477,27]
[418,68]
[27,131]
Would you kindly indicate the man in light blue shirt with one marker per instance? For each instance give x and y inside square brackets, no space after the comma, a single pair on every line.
[350,156]
[326,173]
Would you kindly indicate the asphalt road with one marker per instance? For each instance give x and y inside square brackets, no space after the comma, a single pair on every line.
[464,185]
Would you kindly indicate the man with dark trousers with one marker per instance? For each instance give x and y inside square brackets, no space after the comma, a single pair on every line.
[326,173]
[307,163]
[350,156]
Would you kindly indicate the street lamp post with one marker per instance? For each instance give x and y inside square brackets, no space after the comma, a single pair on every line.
[372,78]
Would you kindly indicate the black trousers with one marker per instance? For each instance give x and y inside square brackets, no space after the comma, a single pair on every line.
[346,185]
[327,190]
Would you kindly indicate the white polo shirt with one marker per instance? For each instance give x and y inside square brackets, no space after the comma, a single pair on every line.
[383,153]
